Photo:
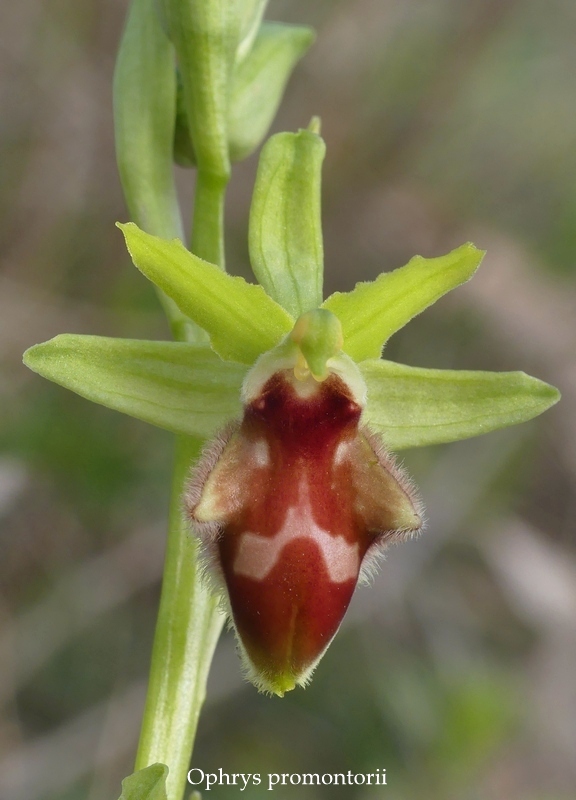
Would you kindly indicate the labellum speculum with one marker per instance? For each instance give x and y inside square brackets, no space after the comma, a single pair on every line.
[294,502]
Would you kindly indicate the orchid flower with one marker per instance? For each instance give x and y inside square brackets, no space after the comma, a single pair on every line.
[296,493]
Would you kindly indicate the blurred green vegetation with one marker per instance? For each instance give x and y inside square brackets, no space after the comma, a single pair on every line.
[445,121]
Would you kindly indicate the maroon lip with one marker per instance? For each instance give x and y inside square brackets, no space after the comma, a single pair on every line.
[300,496]
[288,617]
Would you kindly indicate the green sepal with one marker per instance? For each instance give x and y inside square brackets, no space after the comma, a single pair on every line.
[373,311]
[285,232]
[414,407]
[259,82]
[146,784]
[184,388]
[240,318]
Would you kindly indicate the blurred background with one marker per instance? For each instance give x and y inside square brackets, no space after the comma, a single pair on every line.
[445,122]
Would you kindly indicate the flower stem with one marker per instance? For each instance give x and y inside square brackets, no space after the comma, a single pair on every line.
[187,630]
[189,621]
[208,219]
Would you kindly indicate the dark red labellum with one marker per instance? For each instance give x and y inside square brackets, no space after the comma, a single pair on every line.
[290,505]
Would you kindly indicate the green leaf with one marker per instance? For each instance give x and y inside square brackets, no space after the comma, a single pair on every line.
[182,387]
[373,311]
[413,407]
[240,318]
[146,784]
[285,235]
[144,111]
[259,82]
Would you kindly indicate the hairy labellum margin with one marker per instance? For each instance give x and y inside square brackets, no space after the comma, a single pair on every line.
[292,504]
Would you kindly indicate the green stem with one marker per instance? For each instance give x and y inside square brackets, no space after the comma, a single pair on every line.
[189,621]
[187,630]
[208,218]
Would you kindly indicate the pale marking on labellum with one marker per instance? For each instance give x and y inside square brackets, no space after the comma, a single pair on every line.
[258,555]
[341,453]
[260,453]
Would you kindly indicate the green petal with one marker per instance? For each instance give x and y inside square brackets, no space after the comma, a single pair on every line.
[259,83]
[373,311]
[285,234]
[413,407]
[182,387]
[146,784]
[240,318]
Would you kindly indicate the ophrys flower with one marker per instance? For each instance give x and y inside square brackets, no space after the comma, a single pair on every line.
[297,494]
